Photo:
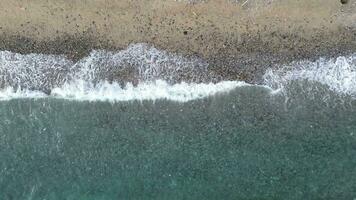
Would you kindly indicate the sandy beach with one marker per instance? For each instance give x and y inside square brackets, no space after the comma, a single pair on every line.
[225,33]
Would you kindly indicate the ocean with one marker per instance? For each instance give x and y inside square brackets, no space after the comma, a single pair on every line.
[142,123]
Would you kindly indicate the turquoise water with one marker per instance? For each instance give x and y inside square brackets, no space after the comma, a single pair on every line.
[247,144]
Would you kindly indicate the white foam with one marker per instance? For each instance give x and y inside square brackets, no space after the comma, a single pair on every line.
[11,93]
[138,62]
[85,91]
[339,74]
[143,62]
[160,74]
[35,71]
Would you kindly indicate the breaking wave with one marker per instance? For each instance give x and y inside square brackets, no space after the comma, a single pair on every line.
[139,72]
[181,92]
[337,75]
[137,63]
[84,91]
[143,72]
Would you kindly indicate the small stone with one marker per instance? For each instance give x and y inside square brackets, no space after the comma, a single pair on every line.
[344,1]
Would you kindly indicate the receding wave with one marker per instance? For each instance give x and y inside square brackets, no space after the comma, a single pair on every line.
[137,63]
[143,72]
[337,75]
[139,72]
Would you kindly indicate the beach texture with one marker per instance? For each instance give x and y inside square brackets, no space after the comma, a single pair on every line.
[230,35]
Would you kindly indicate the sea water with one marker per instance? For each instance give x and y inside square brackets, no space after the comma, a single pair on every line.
[68,132]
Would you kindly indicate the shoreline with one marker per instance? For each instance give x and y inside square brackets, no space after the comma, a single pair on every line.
[238,41]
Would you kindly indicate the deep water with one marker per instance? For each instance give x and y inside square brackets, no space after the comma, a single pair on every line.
[246,144]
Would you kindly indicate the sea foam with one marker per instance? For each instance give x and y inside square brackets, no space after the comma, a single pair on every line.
[84,91]
[338,74]
[143,72]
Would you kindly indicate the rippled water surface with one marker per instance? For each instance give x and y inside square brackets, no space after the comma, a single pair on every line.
[242,145]
[88,137]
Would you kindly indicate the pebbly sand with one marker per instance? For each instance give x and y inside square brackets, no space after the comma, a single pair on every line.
[230,35]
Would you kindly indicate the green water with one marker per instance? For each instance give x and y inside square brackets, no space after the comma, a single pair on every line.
[244,145]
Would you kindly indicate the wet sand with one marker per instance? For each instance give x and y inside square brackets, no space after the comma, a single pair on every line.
[239,39]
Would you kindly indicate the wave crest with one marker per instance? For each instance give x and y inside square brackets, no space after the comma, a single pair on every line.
[142,72]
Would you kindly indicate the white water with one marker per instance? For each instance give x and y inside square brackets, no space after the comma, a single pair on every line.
[84,91]
[338,74]
[137,63]
[11,93]
[159,74]
[182,92]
